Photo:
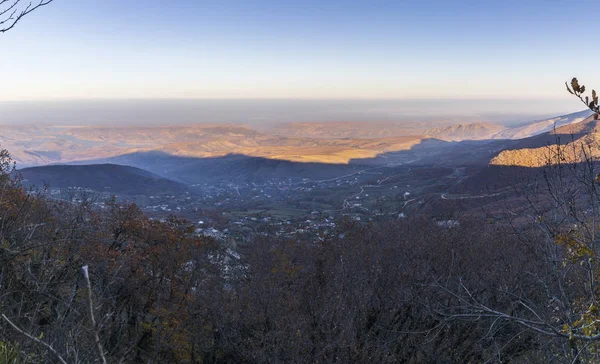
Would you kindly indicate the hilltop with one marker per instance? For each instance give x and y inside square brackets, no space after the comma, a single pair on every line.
[474,131]
[107,178]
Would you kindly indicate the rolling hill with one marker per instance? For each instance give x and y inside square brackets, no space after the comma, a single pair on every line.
[474,131]
[106,178]
[233,168]
[300,142]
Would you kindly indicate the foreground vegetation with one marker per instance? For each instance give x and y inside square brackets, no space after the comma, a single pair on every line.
[407,290]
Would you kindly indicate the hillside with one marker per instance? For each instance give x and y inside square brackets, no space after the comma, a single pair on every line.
[570,140]
[529,129]
[474,131]
[107,178]
[233,168]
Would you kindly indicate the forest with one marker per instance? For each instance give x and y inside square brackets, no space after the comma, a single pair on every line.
[80,284]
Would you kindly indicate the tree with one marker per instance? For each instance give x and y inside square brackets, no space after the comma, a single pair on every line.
[12,11]
[561,302]
[579,91]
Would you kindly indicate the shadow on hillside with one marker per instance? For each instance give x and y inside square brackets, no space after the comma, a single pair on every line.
[106,178]
[238,167]
[243,168]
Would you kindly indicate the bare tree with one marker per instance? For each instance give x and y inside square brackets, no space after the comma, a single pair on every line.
[35,339]
[561,303]
[12,11]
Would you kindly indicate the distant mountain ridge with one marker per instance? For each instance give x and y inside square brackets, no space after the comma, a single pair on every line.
[542,126]
[483,131]
[166,160]
[331,142]
[460,132]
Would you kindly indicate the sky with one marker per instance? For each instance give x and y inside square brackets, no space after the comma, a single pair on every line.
[308,50]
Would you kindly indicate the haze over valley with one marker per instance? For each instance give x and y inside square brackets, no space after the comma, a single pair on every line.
[321,142]
[286,171]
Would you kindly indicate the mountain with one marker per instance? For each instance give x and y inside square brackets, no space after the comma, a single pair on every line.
[483,131]
[474,131]
[441,129]
[529,129]
[573,141]
[109,178]
[329,143]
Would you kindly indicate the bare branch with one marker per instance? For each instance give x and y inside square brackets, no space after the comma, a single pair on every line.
[10,14]
[579,90]
[35,339]
[86,275]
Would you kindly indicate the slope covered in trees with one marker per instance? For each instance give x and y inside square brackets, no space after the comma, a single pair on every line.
[409,290]
[111,178]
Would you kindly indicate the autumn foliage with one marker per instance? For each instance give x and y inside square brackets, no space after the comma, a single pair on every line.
[406,290]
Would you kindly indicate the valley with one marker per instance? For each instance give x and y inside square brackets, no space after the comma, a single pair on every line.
[332,143]
[234,182]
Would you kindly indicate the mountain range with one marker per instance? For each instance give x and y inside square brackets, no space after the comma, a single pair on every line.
[332,143]
[166,160]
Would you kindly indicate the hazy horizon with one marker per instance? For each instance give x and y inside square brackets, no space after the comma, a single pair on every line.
[268,62]
[264,112]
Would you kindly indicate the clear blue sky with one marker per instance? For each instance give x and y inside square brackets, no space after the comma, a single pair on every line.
[81,49]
